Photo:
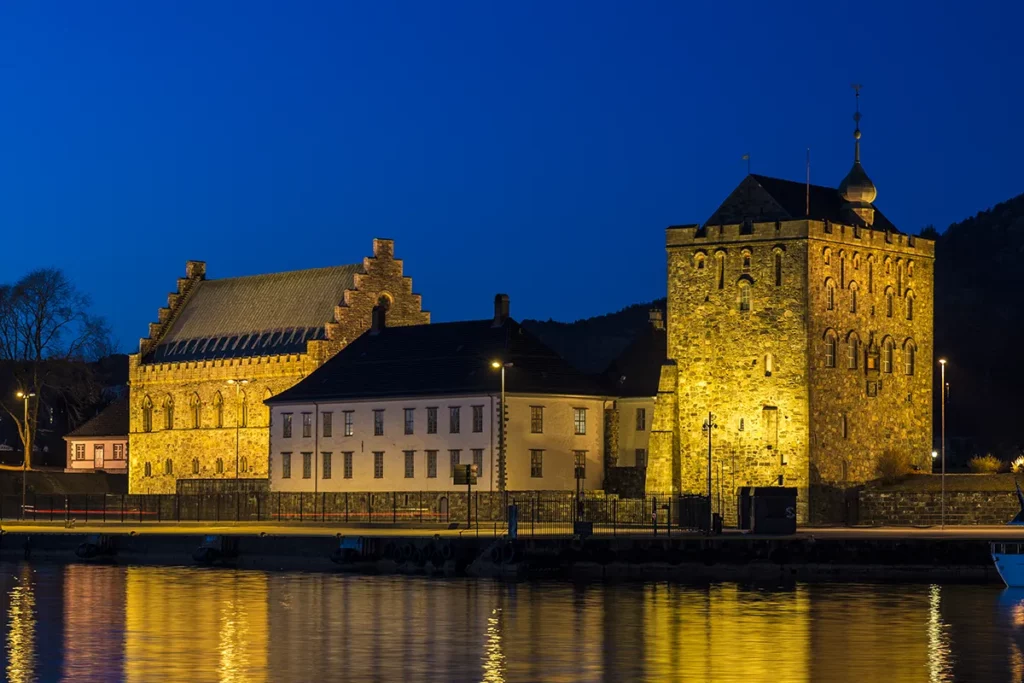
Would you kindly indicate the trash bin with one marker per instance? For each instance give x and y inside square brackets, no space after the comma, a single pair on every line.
[773,510]
[743,513]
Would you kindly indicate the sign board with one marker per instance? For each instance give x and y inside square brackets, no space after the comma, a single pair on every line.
[465,475]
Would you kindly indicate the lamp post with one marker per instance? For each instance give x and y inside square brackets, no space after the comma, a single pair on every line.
[709,424]
[497,364]
[25,396]
[942,522]
[238,416]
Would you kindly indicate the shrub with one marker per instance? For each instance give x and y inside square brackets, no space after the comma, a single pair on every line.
[985,464]
[1017,466]
[892,465]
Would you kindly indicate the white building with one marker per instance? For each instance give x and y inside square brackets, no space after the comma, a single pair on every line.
[101,444]
[398,407]
[634,376]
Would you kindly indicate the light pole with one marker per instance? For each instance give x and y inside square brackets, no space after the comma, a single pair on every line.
[497,364]
[238,415]
[709,424]
[25,396]
[942,522]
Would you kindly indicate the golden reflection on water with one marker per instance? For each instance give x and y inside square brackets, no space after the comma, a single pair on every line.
[21,628]
[494,658]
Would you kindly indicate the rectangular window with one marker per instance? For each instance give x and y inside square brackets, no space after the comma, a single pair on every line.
[378,422]
[328,420]
[348,422]
[641,457]
[536,419]
[579,420]
[410,464]
[79,451]
[409,420]
[478,460]
[347,464]
[431,464]
[453,419]
[307,465]
[378,464]
[286,465]
[118,451]
[536,463]
[326,464]
[478,419]
[641,419]
[453,456]
[307,425]
[580,458]
[286,425]
[431,420]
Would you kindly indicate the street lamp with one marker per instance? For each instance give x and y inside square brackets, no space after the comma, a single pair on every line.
[497,364]
[238,415]
[709,424]
[942,365]
[25,396]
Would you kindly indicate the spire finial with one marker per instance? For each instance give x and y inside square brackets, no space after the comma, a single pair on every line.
[856,120]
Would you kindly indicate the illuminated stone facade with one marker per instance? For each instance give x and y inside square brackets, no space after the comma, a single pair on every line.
[809,340]
[191,415]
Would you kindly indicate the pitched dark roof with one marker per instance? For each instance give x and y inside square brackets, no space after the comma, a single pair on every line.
[112,421]
[442,358]
[257,315]
[787,200]
[637,370]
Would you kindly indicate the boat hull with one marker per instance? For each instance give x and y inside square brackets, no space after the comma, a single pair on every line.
[1010,567]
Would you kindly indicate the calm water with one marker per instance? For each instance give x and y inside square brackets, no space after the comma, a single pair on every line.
[94,623]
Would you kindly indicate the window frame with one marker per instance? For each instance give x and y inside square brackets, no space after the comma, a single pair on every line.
[347,466]
[478,419]
[454,459]
[327,424]
[378,422]
[536,463]
[307,425]
[286,425]
[410,464]
[454,419]
[432,464]
[325,468]
[409,420]
[536,419]
[579,421]
[641,419]
[286,465]
[378,464]
[431,419]
[348,422]
[307,465]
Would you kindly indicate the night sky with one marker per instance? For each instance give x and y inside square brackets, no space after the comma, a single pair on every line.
[534,148]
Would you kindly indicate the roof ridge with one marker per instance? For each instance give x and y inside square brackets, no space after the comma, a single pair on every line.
[801,183]
[283,273]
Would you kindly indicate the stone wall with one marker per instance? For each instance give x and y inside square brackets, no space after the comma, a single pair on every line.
[625,482]
[223,436]
[903,508]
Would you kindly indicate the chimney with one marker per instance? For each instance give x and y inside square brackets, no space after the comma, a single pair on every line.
[377,319]
[500,310]
[657,318]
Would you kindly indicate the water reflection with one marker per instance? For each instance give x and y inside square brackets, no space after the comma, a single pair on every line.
[144,623]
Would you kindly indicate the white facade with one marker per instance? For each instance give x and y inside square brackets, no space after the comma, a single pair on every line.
[97,453]
[375,453]
[635,415]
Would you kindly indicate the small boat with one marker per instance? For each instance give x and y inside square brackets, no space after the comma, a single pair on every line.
[1009,556]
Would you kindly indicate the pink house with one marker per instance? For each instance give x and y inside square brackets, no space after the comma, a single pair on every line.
[101,444]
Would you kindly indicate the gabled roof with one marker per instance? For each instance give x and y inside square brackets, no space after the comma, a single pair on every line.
[441,358]
[257,315]
[112,421]
[763,198]
[637,370]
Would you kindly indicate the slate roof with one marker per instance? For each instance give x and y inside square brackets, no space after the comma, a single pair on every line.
[442,358]
[256,315]
[790,203]
[112,421]
[637,370]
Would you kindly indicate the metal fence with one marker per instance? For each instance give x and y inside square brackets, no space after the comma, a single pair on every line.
[537,513]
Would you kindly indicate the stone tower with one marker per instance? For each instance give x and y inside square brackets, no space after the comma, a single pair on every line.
[808,335]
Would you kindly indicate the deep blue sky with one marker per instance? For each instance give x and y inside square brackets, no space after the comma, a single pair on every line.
[534,148]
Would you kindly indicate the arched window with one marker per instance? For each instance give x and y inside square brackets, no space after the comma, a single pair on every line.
[842,269]
[871,274]
[910,269]
[853,297]
[830,295]
[899,277]
[845,426]
[148,470]
[744,297]
[720,261]
[746,262]
[195,465]
[856,261]
[147,414]
[220,465]
[197,411]
[888,302]
[910,305]
[827,256]
[909,357]
[168,466]
[853,347]
[830,349]
[243,410]
[769,364]
[384,301]
[243,465]
[218,410]
[169,412]
[778,268]
[698,260]
[888,266]
[887,353]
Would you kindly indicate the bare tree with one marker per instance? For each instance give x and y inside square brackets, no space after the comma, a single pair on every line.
[46,336]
